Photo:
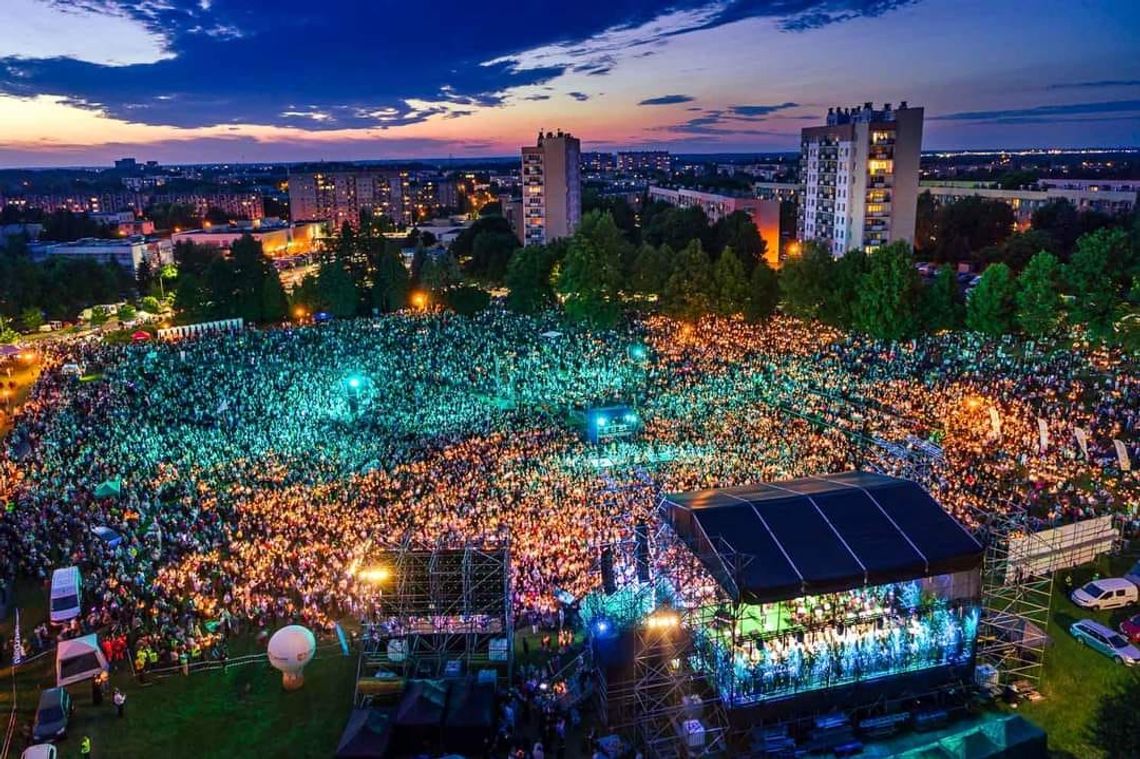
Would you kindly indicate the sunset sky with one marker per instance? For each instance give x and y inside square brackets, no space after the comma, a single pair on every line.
[85,81]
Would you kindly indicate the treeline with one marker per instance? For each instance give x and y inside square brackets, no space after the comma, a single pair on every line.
[211,285]
[881,294]
[598,272]
[56,288]
[58,226]
[980,231]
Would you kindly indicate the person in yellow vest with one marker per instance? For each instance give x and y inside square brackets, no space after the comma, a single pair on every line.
[85,746]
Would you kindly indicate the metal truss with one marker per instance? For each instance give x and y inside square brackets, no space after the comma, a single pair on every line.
[1016,597]
[441,607]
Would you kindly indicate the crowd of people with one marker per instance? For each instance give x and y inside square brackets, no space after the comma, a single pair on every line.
[259,471]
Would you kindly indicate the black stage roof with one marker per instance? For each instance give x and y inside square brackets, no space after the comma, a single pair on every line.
[820,535]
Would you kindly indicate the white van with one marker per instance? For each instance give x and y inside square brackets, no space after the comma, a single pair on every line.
[65,595]
[1106,593]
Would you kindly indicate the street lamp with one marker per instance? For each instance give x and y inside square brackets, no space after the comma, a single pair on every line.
[419,300]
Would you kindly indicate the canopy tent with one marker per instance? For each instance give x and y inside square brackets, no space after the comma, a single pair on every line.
[366,735]
[140,336]
[8,351]
[470,717]
[78,659]
[419,717]
[778,541]
[109,489]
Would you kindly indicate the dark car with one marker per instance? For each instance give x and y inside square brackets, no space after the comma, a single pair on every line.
[1131,628]
[52,715]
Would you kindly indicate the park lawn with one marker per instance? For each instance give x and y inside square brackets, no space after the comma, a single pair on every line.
[240,712]
[1077,678]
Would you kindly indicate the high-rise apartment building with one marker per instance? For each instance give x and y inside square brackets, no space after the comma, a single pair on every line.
[337,197]
[552,188]
[859,177]
[644,162]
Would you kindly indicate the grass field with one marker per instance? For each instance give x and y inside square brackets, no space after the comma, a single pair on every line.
[1076,678]
[240,712]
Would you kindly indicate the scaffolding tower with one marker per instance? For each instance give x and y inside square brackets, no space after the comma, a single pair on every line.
[443,611]
[1017,595]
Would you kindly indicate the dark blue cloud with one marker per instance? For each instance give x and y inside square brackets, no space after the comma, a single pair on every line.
[760,110]
[668,100]
[1045,112]
[579,96]
[1095,85]
[340,64]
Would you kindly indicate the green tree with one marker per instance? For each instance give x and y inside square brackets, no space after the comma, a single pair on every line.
[651,269]
[492,253]
[738,231]
[805,281]
[841,298]
[887,306]
[99,316]
[250,271]
[31,319]
[484,248]
[730,283]
[127,312]
[390,283]
[150,304]
[966,226]
[940,305]
[440,271]
[590,279]
[336,290]
[1039,295]
[1058,219]
[690,291]
[274,302]
[528,280]
[676,227]
[190,298]
[764,292]
[991,307]
[467,300]
[1018,249]
[603,232]
[1115,728]
[1100,270]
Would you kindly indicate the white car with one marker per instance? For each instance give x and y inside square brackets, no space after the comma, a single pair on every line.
[40,751]
[1106,593]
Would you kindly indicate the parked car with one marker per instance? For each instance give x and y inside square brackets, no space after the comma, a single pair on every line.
[107,535]
[65,595]
[1093,634]
[1106,593]
[1130,628]
[40,751]
[52,715]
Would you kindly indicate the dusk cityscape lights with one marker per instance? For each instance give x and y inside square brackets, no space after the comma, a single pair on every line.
[707,379]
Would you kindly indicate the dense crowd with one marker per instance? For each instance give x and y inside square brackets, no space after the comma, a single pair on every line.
[259,471]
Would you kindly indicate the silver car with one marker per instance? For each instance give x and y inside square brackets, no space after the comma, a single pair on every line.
[1091,633]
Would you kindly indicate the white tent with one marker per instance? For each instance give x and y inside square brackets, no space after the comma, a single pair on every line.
[78,659]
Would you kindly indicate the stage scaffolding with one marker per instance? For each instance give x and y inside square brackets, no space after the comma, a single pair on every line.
[1016,598]
[654,702]
[442,611]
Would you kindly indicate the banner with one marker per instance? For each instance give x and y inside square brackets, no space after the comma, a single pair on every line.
[1043,433]
[1082,441]
[995,421]
[1122,455]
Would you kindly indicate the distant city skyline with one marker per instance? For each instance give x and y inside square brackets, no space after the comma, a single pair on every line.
[212,81]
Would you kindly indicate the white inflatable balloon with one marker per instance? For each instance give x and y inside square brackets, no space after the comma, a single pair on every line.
[290,649]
